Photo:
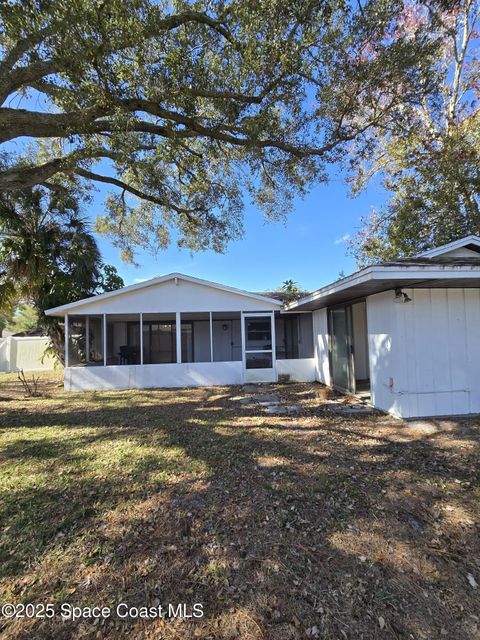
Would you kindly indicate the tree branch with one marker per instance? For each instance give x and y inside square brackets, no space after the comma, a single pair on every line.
[89,175]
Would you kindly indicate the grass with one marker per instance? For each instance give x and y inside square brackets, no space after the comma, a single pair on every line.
[311,525]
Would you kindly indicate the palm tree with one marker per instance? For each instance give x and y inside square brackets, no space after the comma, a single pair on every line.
[48,255]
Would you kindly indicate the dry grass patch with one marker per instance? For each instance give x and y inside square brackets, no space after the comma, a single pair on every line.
[283,527]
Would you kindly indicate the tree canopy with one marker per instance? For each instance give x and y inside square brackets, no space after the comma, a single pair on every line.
[182,107]
[24,318]
[427,153]
[48,256]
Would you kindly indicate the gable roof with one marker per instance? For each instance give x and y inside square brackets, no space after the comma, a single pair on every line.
[471,242]
[65,308]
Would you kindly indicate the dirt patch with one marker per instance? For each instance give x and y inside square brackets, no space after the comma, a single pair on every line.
[314,525]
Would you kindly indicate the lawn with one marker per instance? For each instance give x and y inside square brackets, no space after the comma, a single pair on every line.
[312,524]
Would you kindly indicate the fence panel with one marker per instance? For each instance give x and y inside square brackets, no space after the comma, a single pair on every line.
[25,353]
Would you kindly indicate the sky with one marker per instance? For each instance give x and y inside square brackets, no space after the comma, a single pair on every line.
[309,247]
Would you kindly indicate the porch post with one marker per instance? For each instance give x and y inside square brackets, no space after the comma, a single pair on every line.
[87,339]
[211,337]
[141,338]
[66,340]
[178,335]
[104,339]
[242,331]
[274,350]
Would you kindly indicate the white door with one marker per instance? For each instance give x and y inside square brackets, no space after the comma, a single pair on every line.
[258,337]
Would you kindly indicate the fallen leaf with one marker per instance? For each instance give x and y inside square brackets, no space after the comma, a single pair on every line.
[472,581]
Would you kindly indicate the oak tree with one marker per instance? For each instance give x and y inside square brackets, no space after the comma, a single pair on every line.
[184,107]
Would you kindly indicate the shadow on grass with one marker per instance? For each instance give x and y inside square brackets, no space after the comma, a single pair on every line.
[275,525]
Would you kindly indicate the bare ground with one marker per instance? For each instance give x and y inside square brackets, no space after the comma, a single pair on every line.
[309,524]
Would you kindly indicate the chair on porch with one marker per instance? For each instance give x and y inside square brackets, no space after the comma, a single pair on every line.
[128,355]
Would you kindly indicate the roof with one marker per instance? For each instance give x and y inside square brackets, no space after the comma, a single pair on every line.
[66,308]
[471,242]
[417,272]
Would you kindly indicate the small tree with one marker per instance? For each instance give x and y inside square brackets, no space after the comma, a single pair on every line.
[24,318]
[291,290]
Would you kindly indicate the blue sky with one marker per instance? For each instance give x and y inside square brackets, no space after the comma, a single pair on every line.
[309,247]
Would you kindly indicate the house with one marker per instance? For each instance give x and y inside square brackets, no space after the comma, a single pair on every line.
[176,331]
[407,332]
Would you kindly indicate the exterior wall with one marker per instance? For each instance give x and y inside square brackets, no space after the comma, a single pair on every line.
[299,369]
[425,354]
[168,297]
[24,353]
[461,252]
[191,374]
[201,345]
[152,376]
[227,345]
[320,336]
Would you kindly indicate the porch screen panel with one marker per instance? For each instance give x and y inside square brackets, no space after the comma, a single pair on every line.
[77,345]
[195,337]
[305,330]
[286,333]
[159,338]
[227,336]
[123,339]
[294,336]
[94,351]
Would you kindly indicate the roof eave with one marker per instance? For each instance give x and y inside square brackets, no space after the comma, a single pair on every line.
[391,276]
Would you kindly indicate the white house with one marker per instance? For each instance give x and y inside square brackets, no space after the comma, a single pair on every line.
[176,331]
[408,331]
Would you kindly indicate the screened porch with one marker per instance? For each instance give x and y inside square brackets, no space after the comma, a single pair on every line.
[178,337]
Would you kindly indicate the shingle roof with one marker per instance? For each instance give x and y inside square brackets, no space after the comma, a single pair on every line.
[425,262]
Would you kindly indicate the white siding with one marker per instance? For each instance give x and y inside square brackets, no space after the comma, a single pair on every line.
[320,336]
[299,369]
[461,252]
[167,297]
[152,376]
[425,354]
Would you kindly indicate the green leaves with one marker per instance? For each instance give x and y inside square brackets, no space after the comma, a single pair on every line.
[428,152]
[184,108]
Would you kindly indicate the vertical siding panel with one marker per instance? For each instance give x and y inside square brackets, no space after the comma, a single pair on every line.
[399,342]
[439,329]
[423,351]
[457,348]
[380,339]
[411,400]
[472,311]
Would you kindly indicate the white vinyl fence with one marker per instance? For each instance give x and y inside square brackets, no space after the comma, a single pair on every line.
[25,353]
